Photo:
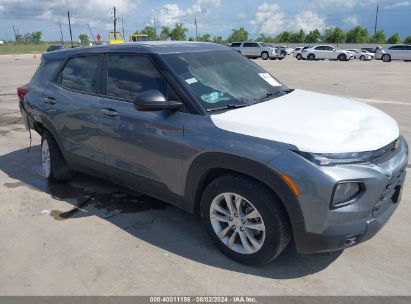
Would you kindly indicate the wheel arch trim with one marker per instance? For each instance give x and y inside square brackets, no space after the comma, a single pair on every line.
[205,162]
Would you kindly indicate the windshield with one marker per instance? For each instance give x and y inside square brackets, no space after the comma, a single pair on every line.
[221,79]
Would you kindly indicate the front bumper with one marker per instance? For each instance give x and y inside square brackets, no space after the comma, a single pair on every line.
[328,229]
[339,236]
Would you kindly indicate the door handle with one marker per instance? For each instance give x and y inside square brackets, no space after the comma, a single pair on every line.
[50,100]
[109,112]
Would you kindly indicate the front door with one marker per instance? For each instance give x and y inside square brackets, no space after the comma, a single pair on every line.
[142,149]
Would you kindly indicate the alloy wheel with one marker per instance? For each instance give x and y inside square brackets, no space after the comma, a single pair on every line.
[237,223]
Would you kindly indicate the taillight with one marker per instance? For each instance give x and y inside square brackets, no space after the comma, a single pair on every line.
[22,91]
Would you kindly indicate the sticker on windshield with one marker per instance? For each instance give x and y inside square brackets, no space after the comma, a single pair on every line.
[212,97]
[191,80]
[267,77]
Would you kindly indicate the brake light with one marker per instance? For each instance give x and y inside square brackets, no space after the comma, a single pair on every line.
[21,92]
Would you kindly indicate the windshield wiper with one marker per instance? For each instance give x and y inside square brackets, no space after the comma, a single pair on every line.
[271,94]
[228,107]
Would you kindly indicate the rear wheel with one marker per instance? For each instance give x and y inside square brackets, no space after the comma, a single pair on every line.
[53,163]
[311,57]
[386,58]
[362,57]
[245,220]
[298,56]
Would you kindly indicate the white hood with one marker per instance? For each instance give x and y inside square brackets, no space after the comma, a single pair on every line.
[313,122]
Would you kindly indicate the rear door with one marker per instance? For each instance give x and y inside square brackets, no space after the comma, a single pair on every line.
[142,149]
[251,49]
[407,52]
[73,103]
[319,52]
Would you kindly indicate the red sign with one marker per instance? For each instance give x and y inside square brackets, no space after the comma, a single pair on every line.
[98,37]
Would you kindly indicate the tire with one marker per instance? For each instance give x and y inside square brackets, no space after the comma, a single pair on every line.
[264,55]
[54,166]
[269,214]
[311,57]
[298,56]
[281,58]
[342,57]
[386,58]
[362,57]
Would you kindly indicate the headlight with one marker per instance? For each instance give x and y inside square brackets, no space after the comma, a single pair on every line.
[328,159]
[345,193]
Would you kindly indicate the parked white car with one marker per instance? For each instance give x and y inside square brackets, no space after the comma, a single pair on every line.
[298,51]
[361,54]
[326,52]
[256,50]
[395,52]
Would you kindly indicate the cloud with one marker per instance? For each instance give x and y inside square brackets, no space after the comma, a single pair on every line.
[170,13]
[398,4]
[324,4]
[93,12]
[351,21]
[242,15]
[270,19]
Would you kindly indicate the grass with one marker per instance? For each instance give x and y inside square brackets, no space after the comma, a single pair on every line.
[7,49]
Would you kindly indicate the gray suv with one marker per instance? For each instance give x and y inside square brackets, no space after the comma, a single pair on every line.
[207,130]
[257,50]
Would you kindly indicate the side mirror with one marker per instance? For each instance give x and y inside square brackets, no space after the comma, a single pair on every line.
[154,100]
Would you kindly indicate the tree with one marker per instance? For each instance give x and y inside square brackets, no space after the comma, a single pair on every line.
[36,37]
[283,37]
[265,39]
[334,35]
[298,37]
[313,36]
[238,35]
[150,31]
[379,37]
[358,34]
[84,40]
[218,39]
[407,39]
[165,33]
[394,39]
[178,32]
[205,38]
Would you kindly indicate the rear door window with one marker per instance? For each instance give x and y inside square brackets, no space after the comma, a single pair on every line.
[250,45]
[235,44]
[130,75]
[82,74]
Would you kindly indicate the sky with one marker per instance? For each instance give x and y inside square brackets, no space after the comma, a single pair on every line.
[216,17]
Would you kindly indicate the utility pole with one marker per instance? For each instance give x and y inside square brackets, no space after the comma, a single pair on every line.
[122,27]
[71,34]
[154,24]
[115,24]
[195,22]
[375,26]
[91,32]
[61,33]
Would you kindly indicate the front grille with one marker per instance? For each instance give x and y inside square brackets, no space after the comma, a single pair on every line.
[386,151]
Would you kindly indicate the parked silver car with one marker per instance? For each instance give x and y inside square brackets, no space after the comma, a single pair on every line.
[256,50]
[395,52]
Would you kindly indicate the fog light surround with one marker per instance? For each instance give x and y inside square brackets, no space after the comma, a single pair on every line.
[345,193]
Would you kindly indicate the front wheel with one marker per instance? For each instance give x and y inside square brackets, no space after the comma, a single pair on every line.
[245,220]
[298,56]
[362,57]
[54,166]
[264,55]
[342,57]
